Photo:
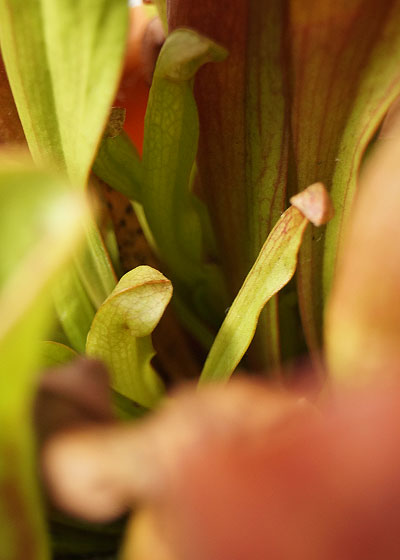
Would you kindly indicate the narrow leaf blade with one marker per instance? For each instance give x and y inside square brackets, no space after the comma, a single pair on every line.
[274,267]
[62,85]
[272,270]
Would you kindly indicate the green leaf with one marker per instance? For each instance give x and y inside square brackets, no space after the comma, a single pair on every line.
[40,222]
[192,323]
[74,309]
[243,147]
[21,514]
[63,60]
[94,267]
[24,52]
[125,408]
[54,354]
[345,67]
[313,75]
[272,270]
[121,333]
[118,164]
[84,287]
[169,151]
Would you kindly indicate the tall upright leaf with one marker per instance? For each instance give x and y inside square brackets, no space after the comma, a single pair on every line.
[40,223]
[318,72]
[345,72]
[243,143]
[169,151]
[63,60]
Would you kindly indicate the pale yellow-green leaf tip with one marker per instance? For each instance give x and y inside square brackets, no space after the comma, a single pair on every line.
[314,203]
[184,52]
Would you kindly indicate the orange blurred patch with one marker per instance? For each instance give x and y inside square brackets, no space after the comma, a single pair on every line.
[144,42]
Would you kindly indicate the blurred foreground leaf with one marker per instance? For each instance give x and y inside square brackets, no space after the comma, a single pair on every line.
[63,88]
[40,224]
[362,330]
